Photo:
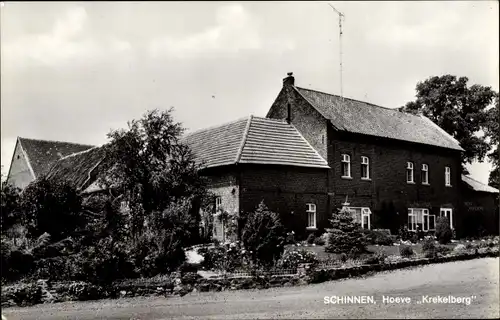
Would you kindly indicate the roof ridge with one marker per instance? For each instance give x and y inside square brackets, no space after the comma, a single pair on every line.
[369,103]
[214,126]
[243,139]
[57,141]
[440,129]
[79,152]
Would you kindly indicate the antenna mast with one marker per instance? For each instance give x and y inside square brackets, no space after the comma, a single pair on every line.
[341,15]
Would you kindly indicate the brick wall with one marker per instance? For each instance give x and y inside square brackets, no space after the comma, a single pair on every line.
[223,182]
[308,121]
[286,190]
[19,175]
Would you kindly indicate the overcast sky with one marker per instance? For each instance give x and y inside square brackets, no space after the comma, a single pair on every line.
[72,71]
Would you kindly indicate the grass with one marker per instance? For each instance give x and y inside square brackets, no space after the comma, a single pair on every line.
[389,250]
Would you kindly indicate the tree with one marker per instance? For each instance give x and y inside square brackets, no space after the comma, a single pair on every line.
[443,230]
[264,236]
[456,108]
[10,213]
[51,206]
[346,235]
[149,166]
[492,132]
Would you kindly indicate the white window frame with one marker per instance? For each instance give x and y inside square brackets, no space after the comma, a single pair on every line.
[365,162]
[447,176]
[448,213]
[346,159]
[218,203]
[409,168]
[365,212]
[425,173]
[311,212]
[413,220]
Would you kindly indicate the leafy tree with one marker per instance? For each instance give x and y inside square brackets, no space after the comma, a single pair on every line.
[264,236]
[53,207]
[456,108]
[10,213]
[346,235]
[492,132]
[151,168]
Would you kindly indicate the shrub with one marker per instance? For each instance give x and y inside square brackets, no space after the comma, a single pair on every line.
[377,258]
[443,230]
[319,241]
[378,237]
[310,238]
[342,257]
[264,236]
[291,259]
[346,235]
[404,234]
[460,248]
[442,250]
[405,251]
[428,245]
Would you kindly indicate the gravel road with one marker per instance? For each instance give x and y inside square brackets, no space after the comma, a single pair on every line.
[476,279]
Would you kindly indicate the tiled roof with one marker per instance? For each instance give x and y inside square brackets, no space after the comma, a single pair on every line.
[478,186]
[253,140]
[365,118]
[77,168]
[43,153]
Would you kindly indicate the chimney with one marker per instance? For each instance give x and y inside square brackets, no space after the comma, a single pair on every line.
[289,80]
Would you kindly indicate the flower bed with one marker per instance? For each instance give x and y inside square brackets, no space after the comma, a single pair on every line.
[24,294]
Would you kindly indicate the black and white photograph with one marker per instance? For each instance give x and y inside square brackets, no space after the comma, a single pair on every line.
[250,160]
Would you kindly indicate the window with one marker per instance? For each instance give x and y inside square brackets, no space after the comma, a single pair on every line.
[361,215]
[420,218]
[323,139]
[409,172]
[218,204]
[447,176]
[346,166]
[448,213]
[425,174]
[311,215]
[365,168]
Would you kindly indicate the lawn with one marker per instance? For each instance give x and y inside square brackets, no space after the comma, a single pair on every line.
[389,250]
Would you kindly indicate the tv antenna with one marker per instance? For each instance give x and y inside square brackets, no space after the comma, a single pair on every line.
[341,16]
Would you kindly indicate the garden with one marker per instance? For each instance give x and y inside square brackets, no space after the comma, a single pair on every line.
[140,234]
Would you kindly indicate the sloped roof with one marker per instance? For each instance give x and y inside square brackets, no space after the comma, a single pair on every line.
[366,118]
[253,140]
[43,153]
[77,168]
[478,186]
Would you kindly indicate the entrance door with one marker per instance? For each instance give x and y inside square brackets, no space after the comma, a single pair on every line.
[448,213]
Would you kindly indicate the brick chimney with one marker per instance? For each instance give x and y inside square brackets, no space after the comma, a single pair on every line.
[289,80]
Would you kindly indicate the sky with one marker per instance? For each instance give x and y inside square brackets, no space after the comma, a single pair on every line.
[72,71]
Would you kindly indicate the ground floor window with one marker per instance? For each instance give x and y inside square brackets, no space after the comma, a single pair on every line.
[421,219]
[448,213]
[311,215]
[361,215]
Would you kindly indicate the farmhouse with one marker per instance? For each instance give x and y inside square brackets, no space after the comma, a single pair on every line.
[313,152]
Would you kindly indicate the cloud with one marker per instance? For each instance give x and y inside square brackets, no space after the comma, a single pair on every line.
[235,30]
[65,42]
